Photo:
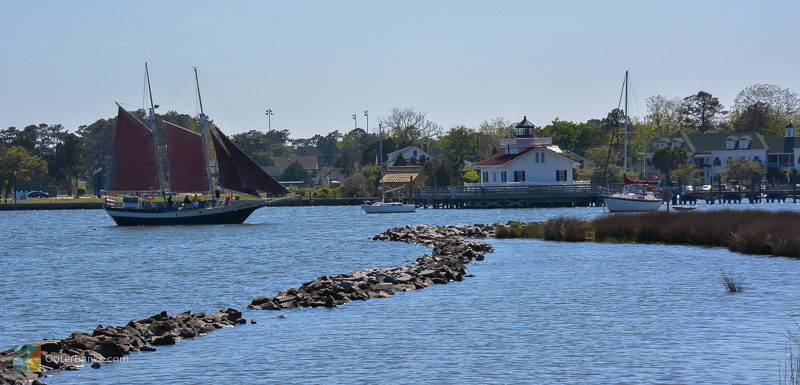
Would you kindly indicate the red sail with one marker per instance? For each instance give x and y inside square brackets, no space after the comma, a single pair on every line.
[240,173]
[133,166]
[631,181]
[187,168]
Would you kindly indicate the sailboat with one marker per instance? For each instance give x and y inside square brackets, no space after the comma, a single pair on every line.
[636,196]
[136,164]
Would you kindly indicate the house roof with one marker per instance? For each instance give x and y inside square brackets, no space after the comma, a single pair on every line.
[308,162]
[782,144]
[404,149]
[503,158]
[399,178]
[717,141]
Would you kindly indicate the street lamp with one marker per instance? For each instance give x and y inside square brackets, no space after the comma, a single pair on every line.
[269,119]
[366,113]
[355,120]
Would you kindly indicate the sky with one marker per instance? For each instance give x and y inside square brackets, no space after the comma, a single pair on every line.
[316,63]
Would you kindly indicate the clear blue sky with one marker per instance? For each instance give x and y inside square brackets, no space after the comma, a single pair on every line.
[316,63]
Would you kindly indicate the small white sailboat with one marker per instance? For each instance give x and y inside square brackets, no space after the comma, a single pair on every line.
[382,207]
[636,196]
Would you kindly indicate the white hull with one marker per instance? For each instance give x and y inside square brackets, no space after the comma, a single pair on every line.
[619,204]
[381,207]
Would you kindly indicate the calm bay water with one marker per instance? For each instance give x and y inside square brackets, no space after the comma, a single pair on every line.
[536,312]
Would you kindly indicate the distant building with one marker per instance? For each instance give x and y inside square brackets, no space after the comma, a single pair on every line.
[309,164]
[526,160]
[408,153]
[403,179]
[711,152]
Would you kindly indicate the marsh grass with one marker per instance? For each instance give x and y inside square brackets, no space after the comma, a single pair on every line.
[734,283]
[745,231]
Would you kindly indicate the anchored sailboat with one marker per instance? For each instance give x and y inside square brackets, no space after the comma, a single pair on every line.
[636,196]
[135,169]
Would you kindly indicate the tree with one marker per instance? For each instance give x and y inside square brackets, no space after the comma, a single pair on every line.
[667,159]
[469,175]
[700,112]
[663,114]
[294,171]
[686,173]
[458,145]
[409,127]
[758,117]
[577,137]
[18,165]
[400,160]
[744,171]
[784,103]
[63,165]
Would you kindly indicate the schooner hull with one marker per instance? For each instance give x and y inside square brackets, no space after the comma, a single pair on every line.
[233,214]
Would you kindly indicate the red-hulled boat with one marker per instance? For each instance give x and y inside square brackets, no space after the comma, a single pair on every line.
[135,170]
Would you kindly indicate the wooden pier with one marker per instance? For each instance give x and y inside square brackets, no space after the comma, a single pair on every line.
[466,197]
[768,195]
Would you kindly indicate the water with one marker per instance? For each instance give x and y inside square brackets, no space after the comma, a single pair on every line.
[536,312]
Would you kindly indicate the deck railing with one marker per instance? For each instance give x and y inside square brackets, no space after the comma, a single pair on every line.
[495,191]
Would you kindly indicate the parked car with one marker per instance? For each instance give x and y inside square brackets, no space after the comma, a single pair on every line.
[706,187]
[38,194]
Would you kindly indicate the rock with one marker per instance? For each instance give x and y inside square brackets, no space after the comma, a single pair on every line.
[147,348]
[281,316]
[92,356]
[110,349]
[253,321]
[163,340]
[96,365]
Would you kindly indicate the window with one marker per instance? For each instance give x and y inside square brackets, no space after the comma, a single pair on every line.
[756,159]
[494,176]
[744,144]
[536,156]
[561,175]
[503,176]
[519,176]
[717,162]
[486,177]
[415,153]
[731,144]
[542,157]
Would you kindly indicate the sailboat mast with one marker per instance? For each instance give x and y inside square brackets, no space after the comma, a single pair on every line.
[203,135]
[644,150]
[625,156]
[153,128]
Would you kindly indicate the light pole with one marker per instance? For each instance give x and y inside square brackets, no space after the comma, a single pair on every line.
[269,119]
[366,113]
[355,121]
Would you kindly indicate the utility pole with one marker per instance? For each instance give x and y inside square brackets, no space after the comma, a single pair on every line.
[269,119]
[366,113]
[355,121]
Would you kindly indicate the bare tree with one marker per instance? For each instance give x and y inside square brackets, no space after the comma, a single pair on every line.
[663,114]
[410,126]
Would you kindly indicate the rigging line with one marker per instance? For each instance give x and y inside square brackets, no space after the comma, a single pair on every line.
[173,88]
[144,89]
[621,93]
[176,90]
[223,103]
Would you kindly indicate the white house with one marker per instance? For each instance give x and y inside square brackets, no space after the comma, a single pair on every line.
[408,153]
[527,160]
[711,152]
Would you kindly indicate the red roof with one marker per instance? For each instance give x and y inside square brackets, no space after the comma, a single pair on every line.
[503,158]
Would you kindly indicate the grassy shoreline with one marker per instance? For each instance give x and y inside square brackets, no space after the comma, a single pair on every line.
[746,231]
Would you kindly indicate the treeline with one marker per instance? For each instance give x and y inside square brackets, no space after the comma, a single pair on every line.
[49,155]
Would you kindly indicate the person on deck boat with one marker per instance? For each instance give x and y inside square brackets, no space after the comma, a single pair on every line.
[195,201]
[186,200]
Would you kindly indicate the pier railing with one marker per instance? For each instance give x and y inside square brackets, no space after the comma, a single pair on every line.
[497,191]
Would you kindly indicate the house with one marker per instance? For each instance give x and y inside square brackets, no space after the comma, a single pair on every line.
[309,164]
[408,153]
[526,160]
[711,152]
[403,180]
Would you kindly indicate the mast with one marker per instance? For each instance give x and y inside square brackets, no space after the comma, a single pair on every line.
[203,137]
[644,150]
[155,134]
[625,156]
[380,160]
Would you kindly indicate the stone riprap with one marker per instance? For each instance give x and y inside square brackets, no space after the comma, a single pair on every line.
[111,343]
[451,251]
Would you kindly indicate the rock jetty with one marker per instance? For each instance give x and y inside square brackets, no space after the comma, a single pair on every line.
[111,343]
[451,252]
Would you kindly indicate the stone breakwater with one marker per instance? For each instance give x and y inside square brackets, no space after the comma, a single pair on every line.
[451,252]
[111,343]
